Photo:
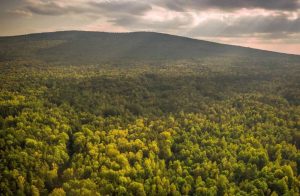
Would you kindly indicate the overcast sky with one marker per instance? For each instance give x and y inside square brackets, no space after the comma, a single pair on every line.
[267,24]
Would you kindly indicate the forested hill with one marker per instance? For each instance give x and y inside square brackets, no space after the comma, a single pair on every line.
[80,47]
[86,113]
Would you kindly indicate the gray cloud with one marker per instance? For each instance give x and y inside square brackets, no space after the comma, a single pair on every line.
[130,14]
[53,8]
[105,7]
[133,7]
[167,25]
[126,14]
[129,7]
[184,5]
[270,27]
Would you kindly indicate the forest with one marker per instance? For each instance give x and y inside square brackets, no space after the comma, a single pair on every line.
[222,125]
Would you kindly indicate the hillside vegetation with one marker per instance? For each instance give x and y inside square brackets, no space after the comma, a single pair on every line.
[77,47]
[189,122]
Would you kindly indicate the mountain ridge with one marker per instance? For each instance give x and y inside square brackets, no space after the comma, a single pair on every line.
[141,32]
[93,46]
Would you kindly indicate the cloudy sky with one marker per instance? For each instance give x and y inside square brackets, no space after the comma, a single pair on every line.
[267,24]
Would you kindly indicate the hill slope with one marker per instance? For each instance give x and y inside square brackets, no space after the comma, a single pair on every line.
[92,47]
[227,124]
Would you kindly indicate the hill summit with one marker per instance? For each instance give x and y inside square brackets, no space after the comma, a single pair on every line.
[92,47]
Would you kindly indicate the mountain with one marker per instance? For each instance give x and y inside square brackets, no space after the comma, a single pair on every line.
[92,47]
[146,114]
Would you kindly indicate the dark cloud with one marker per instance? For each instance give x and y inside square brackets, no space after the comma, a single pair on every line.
[181,16]
[166,25]
[129,7]
[134,7]
[53,8]
[185,5]
[105,7]
[266,26]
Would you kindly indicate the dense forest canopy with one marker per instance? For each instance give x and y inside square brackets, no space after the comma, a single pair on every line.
[213,125]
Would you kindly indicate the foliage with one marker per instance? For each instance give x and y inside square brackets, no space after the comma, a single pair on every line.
[217,126]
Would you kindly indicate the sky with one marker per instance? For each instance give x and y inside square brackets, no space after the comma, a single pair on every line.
[265,24]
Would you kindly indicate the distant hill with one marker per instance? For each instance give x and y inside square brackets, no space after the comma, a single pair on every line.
[92,47]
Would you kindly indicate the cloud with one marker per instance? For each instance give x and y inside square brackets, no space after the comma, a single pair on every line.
[260,19]
[139,7]
[185,5]
[157,19]
[256,25]
[53,8]
[63,7]
[19,12]
[130,14]
[129,7]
